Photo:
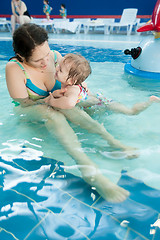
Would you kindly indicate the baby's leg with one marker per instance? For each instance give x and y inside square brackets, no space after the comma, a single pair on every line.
[136,109]
[118,107]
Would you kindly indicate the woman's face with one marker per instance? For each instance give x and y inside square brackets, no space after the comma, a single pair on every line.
[40,56]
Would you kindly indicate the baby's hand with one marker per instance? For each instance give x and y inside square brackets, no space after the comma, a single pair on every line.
[59,92]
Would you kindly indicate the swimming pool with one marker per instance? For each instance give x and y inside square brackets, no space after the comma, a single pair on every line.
[41,198]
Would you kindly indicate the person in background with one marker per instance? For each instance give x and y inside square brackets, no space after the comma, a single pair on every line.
[63,11]
[47,9]
[19,13]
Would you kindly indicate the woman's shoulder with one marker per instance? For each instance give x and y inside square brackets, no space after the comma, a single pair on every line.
[13,66]
[12,61]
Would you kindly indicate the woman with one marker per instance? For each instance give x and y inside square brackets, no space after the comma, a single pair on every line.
[30,76]
[19,13]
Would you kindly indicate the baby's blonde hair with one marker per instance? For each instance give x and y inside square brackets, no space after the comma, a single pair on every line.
[79,67]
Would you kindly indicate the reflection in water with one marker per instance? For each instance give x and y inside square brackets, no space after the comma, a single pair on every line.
[40,198]
[13,176]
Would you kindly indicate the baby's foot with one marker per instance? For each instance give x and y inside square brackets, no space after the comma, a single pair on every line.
[154,99]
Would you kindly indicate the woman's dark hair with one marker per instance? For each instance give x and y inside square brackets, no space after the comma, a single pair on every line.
[26,38]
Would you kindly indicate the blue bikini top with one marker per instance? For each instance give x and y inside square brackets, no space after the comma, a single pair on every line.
[33,87]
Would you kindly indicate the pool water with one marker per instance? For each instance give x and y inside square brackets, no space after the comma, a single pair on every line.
[40,184]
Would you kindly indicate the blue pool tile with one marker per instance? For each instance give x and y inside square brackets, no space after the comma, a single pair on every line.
[6,235]
[54,227]
[157,234]
[138,212]
[19,218]
[59,205]
[140,192]
[134,236]
[91,222]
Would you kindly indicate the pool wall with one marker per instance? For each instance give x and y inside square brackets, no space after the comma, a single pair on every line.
[86,7]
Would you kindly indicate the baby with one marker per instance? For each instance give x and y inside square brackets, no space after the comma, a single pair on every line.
[72,71]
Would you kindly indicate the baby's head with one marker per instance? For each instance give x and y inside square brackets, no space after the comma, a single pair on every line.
[79,67]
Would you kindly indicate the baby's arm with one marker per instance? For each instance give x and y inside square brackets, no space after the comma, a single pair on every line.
[59,92]
[67,101]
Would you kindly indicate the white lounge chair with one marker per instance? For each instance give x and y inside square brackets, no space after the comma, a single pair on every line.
[81,22]
[43,22]
[93,24]
[128,20]
[102,23]
[65,25]
[107,22]
[5,24]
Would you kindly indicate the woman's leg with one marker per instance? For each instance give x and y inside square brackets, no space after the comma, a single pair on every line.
[58,126]
[24,19]
[81,118]
[13,22]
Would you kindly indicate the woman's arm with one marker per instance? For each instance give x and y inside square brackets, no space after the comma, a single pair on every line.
[22,8]
[13,8]
[15,80]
